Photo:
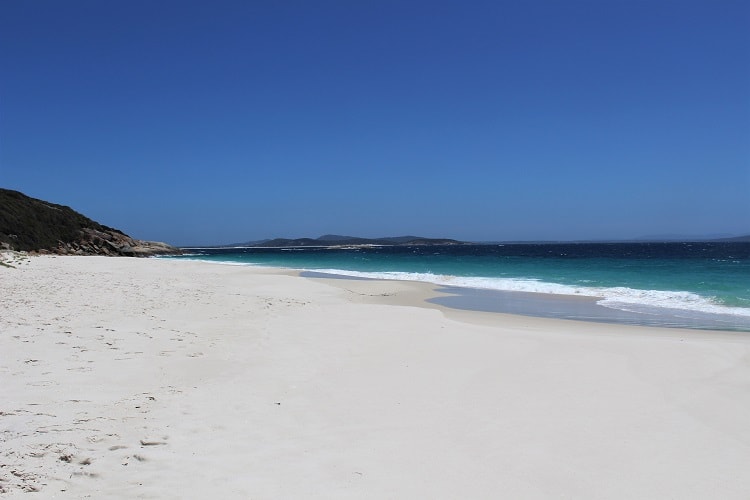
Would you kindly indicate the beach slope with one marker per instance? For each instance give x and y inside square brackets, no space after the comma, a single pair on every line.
[157,378]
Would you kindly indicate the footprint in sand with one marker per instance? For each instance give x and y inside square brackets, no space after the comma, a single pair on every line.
[153,442]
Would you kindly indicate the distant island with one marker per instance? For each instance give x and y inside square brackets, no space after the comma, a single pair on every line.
[336,240]
[333,240]
[738,239]
[33,225]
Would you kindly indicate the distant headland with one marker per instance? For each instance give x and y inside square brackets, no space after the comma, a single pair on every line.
[338,241]
[335,240]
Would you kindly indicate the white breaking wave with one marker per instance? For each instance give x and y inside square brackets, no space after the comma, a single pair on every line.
[622,298]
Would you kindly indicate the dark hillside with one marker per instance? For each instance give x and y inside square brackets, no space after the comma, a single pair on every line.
[29,224]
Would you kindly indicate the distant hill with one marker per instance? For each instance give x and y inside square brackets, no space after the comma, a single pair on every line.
[29,224]
[721,238]
[335,237]
[737,239]
[333,240]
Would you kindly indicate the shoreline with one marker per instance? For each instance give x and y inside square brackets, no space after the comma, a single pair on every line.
[647,283]
[580,308]
[606,306]
[557,306]
[426,295]
[172,378]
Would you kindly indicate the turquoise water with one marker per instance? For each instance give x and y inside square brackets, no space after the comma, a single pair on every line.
[699,278]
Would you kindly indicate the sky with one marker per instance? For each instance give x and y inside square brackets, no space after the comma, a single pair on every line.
[214,122]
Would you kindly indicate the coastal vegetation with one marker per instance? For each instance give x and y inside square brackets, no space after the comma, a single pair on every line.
[33,225]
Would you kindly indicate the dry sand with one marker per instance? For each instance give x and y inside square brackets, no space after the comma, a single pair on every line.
[128,378]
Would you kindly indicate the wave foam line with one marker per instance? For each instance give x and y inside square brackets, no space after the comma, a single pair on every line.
[613,297]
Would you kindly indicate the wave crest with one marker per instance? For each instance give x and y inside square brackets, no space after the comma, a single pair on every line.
[623,298]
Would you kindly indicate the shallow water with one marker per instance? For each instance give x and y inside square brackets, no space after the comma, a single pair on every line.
[697,285]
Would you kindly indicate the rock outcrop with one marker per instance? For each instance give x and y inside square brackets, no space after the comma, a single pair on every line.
[94,242]
[32,225]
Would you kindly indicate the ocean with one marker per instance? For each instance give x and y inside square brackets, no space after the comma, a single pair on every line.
[702,285]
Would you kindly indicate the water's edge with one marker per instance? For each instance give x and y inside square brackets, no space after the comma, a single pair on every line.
[541,305]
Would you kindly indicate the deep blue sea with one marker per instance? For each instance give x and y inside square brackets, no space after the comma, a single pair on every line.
[697,285]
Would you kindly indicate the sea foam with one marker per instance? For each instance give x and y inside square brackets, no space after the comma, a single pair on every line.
[622,298]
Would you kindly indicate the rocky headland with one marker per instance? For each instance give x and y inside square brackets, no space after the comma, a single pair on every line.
[36,226]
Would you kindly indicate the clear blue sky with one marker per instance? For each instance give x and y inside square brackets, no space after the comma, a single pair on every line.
[226,121]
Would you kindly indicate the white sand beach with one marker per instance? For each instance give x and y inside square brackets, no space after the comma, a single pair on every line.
[156,378]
